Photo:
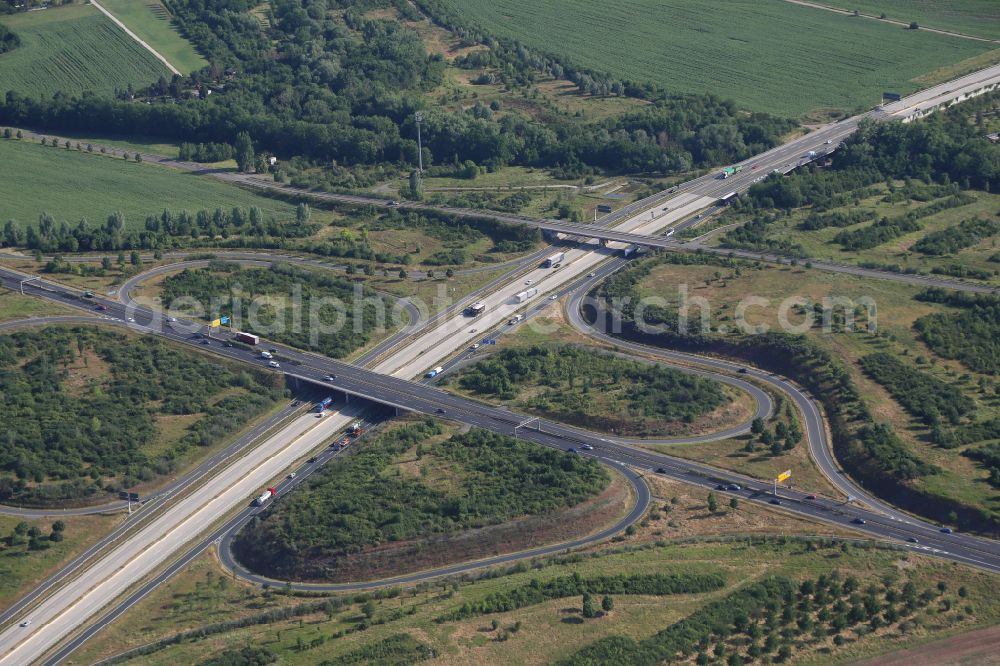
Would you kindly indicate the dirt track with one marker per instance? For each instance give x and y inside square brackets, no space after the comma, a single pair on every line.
[975,647]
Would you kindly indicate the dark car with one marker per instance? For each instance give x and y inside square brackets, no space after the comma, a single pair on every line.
[913,540]
[810,497]
[311,460]
[742,371]
[440,410]
[720,487]
[229,344]
[774,501]
[571,450]
[947,530]
[734,486]
[660,470]
[206,342]
[859,521]
[101,308]
[273,351]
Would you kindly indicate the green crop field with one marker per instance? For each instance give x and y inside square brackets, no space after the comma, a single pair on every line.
[150,20]
[768,55]
[70,185]
[980,18]
[73,49]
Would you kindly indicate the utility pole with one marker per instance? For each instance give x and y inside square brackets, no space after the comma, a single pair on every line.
[418,116]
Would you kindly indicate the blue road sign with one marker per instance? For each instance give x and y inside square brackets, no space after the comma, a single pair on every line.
[224,320]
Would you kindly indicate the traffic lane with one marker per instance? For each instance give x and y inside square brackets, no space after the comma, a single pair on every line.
[134,521]
[815,427]
[435,405]
[130,561]
[426,406]
[914,526]
[491,419]
[929,542]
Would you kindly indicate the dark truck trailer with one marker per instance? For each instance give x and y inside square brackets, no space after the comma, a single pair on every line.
[247,338]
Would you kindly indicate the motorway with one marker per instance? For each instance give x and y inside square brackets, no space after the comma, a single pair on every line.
[783,159]
[71,605]
[762,401]
[79,599]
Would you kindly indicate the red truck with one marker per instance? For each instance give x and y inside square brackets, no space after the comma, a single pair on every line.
[266,495]
[247,338]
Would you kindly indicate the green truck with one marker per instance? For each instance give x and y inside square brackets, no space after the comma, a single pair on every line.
[729,171]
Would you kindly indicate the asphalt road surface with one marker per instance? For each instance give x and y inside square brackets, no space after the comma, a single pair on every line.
[782,159]
[78,600]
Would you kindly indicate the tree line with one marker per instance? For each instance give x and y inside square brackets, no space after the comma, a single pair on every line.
[952,239]
[346,86]
[8,39]
[887,229]
[772,619]
[169,229]
[923,395]
[536,592]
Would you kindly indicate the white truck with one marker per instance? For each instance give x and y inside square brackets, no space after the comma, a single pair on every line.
[266,495]
[435,372]
[554,259]
[522,296]
[265,354]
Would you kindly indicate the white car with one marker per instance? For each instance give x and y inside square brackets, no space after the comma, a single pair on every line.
[171,319]
[474,347]
[528,282]
[587,447]
[328,378]
[273,364]
[292,475]
[473,330]
[132,319]
[591,274]
[554,297]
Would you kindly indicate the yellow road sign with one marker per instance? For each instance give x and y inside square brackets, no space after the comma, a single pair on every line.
[216,323]
[784,475]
